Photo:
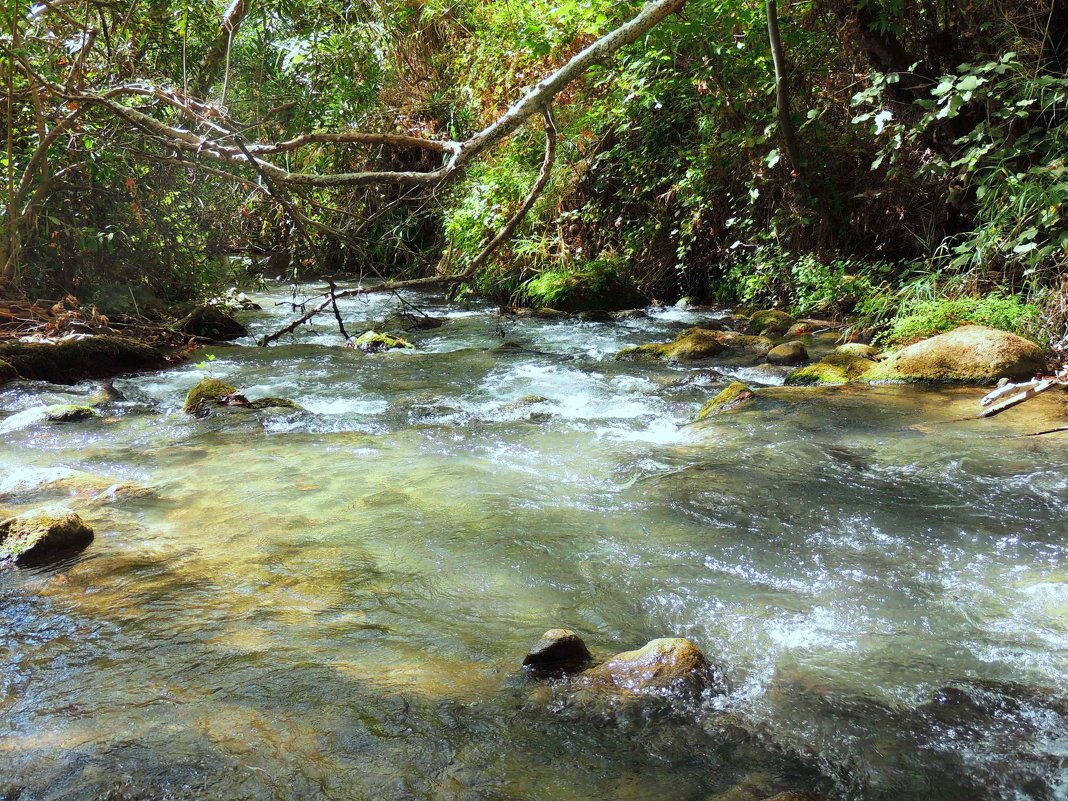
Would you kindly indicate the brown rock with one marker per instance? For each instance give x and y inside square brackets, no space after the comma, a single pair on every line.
[558,651]
[670,664]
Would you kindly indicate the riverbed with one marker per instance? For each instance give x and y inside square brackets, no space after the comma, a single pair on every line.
[334,603]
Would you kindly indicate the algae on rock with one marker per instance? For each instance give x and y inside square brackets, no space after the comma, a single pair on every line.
[732,397]
[770,322]
[209,392]
[834,369]
[374,342]
[42,533]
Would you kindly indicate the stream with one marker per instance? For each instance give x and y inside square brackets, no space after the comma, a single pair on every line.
[334,603]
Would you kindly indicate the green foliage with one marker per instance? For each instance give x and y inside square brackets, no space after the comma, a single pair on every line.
[925,318]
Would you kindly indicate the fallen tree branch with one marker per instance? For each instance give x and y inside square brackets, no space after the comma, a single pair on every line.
[443,280]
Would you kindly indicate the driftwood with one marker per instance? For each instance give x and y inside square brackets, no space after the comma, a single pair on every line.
[1010,395]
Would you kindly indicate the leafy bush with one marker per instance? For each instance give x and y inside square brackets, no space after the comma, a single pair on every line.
[920,319]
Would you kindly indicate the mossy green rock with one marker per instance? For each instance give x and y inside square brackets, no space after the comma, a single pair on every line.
[788,353]
[66,413]
[835,368]
[858,349]
[971,354]
[691,345]
[695,344]
[71,360]
[770,322]
[374,342]
[42,533]
[209,392]
[732,397]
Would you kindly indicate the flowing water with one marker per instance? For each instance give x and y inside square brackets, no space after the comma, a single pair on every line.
[333,603]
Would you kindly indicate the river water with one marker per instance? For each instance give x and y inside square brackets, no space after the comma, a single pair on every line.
[333,604]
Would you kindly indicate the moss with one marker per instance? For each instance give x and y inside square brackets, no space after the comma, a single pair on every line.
[835,368]
[770,322]
[7,371]
[599,287]
[41,533]
[72,360]
[373,342]
[971,354]
[858,349]
[67,413]
[208,392]
[732,397]
[692,344]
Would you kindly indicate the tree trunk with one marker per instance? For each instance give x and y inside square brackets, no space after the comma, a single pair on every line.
[782,91]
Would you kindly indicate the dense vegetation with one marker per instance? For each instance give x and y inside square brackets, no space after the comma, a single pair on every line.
[914,173]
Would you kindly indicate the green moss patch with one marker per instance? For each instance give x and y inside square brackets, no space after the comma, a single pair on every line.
[732,397]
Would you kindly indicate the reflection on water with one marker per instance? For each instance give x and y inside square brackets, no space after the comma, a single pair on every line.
[333,603]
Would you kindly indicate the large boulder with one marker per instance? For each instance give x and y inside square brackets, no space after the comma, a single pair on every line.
[835,368]
[211,322]
[732,397]
[68,361]
[788,353]
[42,533]
[672,665]
[858,349]
[558,651]
[971,354]
[770,322]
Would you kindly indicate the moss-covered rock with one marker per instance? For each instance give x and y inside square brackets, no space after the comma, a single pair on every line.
[596,316]
[732,397]
[71,360]
[42,533]
[670,665]
[211,322]
[858,349]
[209,392]
[788,353]
[68,413]
[770,322]
[7,371]
[585,290]
[374,342]
[971,354]
[695,344]
[835,368]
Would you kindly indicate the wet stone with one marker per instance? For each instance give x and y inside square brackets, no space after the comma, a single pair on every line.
[558,651]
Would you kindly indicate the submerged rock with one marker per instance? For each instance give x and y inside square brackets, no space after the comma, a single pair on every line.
[542,313]
[971,354]
[669,665]
[68,361]
[374,342]
[834,369]
[68,413]
[732,397]
[211,322]
[770,322]
[788,353]
[209,392]
[558,651]
[42,533]
[522,402]
[630,314]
